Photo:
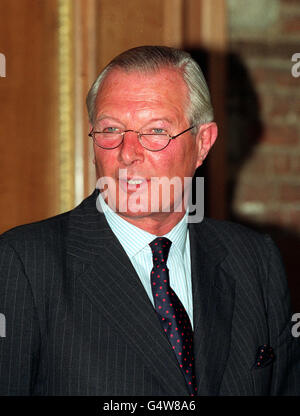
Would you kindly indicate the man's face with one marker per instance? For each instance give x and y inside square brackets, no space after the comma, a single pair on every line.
[143,102]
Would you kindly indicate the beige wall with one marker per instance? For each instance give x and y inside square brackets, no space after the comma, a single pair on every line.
[28,116]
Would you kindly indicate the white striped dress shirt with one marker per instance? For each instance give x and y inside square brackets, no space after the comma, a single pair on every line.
[135,242]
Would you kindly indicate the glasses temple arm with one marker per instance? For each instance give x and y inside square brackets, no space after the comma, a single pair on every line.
[179,134]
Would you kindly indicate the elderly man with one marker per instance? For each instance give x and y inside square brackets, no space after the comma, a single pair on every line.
[118,298]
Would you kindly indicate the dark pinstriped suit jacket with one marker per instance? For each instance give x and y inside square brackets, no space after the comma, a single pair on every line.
[79,322]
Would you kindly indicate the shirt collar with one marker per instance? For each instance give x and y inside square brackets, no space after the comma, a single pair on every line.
[139,239]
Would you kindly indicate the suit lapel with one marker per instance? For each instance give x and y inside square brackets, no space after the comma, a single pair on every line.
[213,300]
[112,285]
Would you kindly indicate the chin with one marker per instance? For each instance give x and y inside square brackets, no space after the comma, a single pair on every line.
[145,212]
[133,215]
[134,209]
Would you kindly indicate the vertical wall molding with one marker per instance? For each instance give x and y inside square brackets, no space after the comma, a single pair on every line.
[173,23]
[205,29]
[77,62]
[66,106]
[84,75]
[214,15]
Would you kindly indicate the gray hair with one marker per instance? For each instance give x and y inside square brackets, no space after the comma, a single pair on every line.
[153,58]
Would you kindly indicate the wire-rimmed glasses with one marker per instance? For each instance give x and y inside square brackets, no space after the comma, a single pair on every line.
[150,141]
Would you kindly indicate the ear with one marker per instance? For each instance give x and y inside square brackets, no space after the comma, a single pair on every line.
[205,139]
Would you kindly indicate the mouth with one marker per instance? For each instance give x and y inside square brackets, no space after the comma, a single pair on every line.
[133,184]
[135,181]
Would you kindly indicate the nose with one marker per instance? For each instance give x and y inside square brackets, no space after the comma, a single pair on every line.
[131,149]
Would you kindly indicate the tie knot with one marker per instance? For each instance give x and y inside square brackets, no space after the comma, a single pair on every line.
[160,249]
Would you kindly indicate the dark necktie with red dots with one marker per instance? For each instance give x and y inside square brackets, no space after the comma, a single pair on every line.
[171,313]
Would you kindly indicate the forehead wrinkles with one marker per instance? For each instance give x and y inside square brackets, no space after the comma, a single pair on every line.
[164,87]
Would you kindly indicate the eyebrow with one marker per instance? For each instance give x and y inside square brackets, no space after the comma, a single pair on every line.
[104,116]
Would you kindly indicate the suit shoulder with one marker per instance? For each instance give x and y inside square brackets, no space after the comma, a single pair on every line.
[37,231]
[238,238]
[252,257]
[48,231]
[229,228]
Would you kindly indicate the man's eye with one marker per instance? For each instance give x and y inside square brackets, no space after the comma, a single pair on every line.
[111,130]
[158,131]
